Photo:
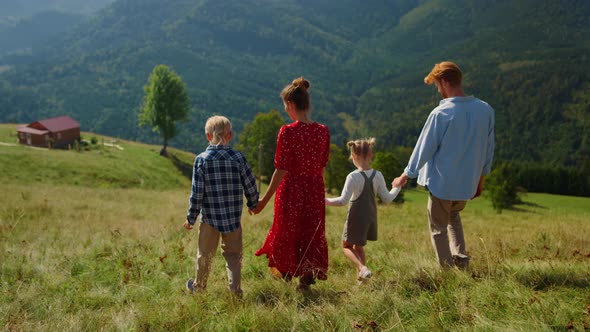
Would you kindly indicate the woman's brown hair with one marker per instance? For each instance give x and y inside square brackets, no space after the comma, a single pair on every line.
[296,92]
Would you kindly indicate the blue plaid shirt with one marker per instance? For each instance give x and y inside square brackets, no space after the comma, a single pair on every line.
[221,179]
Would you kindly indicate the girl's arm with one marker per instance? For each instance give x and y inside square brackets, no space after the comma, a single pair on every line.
[277,177]
[345,196]
[386,196]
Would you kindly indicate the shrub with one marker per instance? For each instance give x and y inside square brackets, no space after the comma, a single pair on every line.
[502,187]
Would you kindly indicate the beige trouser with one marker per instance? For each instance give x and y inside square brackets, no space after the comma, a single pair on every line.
[446,231]
[231,249]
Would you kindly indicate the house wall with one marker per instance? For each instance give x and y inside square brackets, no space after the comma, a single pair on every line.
[62,139]
[31,139]
[66,137]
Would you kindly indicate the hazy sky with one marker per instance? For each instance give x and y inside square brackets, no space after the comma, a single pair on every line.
[24,8]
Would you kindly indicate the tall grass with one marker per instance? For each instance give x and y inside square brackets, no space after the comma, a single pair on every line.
[89,257]
[78,258]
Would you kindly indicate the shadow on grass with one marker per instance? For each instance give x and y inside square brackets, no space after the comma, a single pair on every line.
[185,168]
[430,281]
[286,292]
[539,279]
[526,207]
[535,205]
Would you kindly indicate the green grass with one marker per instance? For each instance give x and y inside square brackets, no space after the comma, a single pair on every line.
[128,165]
[92,257]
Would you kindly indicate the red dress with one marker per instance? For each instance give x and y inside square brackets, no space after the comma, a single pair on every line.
[296,243]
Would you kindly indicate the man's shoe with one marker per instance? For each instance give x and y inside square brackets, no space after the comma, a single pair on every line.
[461,261]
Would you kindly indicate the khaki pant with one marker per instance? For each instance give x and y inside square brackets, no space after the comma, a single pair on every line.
[231,249]
[446,231]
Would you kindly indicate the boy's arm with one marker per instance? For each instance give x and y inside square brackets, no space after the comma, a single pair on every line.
[196,197]
[249,185]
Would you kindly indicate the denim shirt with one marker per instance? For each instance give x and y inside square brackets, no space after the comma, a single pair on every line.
[455,148]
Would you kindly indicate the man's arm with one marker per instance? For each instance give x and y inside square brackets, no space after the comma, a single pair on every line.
[425,148]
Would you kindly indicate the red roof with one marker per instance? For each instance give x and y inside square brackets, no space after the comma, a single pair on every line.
[25,129]
[56,124]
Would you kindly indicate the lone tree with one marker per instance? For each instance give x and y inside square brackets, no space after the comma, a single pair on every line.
[164,103]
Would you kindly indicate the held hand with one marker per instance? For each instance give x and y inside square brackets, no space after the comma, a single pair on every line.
[187,226]
[400,181]
[259,207]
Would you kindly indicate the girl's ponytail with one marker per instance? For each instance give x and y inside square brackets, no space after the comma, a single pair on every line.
[361,147]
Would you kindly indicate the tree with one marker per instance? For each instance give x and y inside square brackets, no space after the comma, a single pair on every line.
[258,142]
[165,102]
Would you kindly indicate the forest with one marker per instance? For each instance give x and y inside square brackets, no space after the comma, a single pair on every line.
[528,59]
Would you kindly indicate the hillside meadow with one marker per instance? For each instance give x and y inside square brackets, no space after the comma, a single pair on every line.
[79,252]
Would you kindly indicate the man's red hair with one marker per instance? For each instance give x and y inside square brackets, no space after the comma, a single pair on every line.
[445,70]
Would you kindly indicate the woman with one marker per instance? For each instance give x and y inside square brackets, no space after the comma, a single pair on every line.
[296,243]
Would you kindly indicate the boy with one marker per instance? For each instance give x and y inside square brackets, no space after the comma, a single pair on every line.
[221,178]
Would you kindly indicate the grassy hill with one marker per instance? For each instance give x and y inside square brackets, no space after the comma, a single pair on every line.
[86,255]
[110,163]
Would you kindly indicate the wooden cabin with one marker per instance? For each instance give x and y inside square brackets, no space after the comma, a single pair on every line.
[60,132]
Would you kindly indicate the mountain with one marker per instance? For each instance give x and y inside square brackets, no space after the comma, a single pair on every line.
[20,39]
[366,62]
[27,24]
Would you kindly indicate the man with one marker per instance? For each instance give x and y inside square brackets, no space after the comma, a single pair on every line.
[452,155]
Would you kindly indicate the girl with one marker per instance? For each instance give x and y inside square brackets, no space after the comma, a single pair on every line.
[360,188]
[296,243]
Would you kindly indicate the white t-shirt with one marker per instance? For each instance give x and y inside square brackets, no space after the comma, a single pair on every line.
[354,184]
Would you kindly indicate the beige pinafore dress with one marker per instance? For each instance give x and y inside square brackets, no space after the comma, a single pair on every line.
[361,221]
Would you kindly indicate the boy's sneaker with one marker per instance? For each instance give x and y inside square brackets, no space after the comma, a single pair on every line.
[364,273]
[190,285]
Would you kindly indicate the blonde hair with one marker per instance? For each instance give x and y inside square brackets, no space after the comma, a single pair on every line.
[218,127]
[296,92]
[362,148]
[446,70]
